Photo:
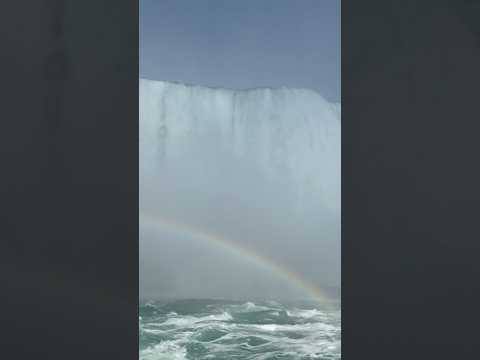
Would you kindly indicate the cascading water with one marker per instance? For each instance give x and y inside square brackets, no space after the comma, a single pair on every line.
[290,136]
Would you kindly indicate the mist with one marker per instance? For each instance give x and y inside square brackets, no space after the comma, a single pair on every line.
[260,168]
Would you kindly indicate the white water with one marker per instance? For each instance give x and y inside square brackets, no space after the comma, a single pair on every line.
[223,332]
[290,136]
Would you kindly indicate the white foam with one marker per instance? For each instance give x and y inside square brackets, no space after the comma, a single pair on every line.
[249,306]
[188,321]
[225,316]
[167,350]
[306,314]
[309,327]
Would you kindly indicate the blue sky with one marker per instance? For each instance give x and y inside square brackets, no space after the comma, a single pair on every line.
[243,43]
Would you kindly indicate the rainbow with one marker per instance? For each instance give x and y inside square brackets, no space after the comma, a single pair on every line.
[235,249]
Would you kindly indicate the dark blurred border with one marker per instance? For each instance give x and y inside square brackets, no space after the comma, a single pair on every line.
[69,179]
[410,218]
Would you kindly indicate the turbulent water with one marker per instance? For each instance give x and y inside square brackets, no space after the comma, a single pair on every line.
[223,330]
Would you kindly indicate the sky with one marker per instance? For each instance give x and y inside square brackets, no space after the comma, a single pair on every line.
[243,44]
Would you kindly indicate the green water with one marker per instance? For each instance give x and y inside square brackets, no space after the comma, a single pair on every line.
[224,330]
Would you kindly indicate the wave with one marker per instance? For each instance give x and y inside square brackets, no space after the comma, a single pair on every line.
[306,314]
[246,330]
[296,327]
[168,350]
